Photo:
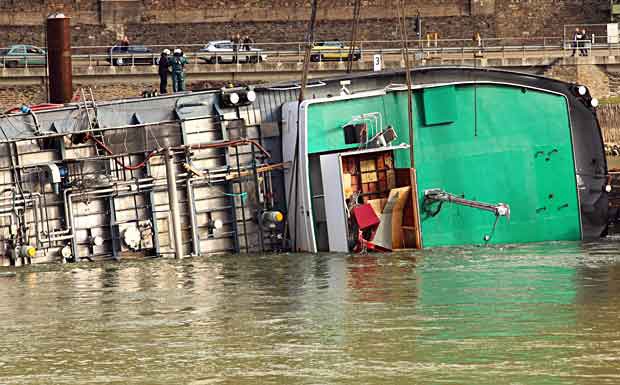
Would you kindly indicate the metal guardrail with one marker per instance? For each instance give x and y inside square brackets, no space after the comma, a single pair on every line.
[293,51]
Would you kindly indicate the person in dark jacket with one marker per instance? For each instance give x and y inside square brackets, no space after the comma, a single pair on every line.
[178,62]
[236,42]
[584,43]
[164,64]
[576,40]
[125,44]
[247,43]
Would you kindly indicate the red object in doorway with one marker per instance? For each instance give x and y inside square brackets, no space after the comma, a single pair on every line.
[366,219]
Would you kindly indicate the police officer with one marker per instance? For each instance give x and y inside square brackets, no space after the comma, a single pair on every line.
[163,71]
[178,63]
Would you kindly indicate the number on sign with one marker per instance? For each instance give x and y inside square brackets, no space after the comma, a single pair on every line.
[377,63]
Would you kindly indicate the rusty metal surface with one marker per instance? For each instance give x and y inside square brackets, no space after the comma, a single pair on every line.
[59,59]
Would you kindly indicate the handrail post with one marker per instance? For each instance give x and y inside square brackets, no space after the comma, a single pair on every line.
[361,50]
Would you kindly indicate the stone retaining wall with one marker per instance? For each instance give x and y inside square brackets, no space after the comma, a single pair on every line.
[97,22]
[593,76]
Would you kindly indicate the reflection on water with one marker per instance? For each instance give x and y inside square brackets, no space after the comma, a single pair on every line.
[535,314]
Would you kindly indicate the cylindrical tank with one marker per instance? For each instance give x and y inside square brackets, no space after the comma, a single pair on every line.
[59,58]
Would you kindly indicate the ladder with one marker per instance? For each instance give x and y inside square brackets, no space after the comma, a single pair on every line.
[89,106]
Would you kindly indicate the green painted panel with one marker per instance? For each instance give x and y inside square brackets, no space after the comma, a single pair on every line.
[439,105]
[326,120]
[506,144]
[512,146]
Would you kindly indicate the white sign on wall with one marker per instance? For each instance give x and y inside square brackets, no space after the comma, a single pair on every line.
[377,63]
[612,33]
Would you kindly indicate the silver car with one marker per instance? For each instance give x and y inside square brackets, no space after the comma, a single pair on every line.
[222,51]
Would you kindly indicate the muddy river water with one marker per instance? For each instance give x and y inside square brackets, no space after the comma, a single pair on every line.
[535,314]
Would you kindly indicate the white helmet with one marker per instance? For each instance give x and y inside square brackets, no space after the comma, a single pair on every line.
[177,50]
[166,51]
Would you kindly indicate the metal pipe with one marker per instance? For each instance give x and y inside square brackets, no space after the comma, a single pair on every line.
[59,238]
[67,201]
[257,191]
[69,190]
[59,58]
[499,209]
[192,217]
[245,229]
[29,197]
[71,225]
[173,202]
[36,224]
[68,232]
[11,210]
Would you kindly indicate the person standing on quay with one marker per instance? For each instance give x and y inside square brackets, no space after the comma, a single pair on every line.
[178,63]
[247,43]
[163,71]
[576,40]
[236,41]
[125,44]
[584,43]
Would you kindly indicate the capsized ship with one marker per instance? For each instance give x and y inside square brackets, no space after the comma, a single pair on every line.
[500,157]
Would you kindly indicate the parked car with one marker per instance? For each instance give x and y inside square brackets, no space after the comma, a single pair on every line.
[126,55]
[333,50]
[222,51]
[20,55]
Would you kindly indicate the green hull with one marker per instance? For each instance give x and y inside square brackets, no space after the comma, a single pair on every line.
[485,142]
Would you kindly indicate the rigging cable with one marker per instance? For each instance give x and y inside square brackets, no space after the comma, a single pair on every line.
[413,176]
[405,54]
[355,27]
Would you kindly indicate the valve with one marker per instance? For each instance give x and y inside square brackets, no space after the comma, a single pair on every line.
[270,219]
[27,251]
[65,252]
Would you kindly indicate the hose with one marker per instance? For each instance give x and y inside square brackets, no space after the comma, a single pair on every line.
[123,165]
[199,146]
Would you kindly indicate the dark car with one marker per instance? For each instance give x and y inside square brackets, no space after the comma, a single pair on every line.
[132,54]
[21,55]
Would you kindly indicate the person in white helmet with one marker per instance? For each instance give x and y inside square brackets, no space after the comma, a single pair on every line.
[164,64]
[178,62]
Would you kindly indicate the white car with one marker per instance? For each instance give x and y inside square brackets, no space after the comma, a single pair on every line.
[222,51]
